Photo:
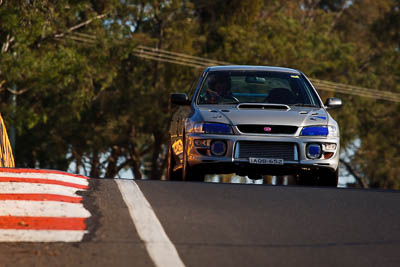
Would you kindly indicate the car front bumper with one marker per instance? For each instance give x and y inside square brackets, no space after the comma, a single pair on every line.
[200,157]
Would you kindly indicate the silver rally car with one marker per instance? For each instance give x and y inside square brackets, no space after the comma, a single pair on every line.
[254,121]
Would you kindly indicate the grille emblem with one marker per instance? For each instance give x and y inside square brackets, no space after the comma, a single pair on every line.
[267,129]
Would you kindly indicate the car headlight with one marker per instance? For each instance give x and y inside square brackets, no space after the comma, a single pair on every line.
[330,131]
[212,128]
[333,131]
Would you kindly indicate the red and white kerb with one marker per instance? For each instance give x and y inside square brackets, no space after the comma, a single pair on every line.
[41,206]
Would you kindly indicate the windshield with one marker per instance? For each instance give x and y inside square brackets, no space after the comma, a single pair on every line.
[230,87]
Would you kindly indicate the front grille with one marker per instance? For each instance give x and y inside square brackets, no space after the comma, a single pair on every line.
[275,150]
[267,129]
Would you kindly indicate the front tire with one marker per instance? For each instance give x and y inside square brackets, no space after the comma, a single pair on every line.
[189,173]
[329,178]
[322,177]
[171,174]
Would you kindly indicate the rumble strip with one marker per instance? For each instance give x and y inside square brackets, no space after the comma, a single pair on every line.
[41,206]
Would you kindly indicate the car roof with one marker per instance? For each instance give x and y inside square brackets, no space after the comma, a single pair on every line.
[253,68]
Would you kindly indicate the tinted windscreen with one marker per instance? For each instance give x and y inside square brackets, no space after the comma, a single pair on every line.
[225,87]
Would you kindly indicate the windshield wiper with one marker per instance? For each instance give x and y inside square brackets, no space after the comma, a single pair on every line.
[304,105]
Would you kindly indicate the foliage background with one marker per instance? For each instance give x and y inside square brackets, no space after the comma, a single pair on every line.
[84,99]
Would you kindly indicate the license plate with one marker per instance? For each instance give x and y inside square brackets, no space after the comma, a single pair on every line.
[266,161]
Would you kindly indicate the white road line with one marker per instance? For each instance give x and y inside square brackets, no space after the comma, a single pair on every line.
[10,235]
[42,209]
[158,245]
[47,176]
[28,188]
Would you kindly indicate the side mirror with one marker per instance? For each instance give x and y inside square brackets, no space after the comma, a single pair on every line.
[333,103]
[179,99]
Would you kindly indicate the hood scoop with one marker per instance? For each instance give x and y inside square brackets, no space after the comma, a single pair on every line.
[263,106]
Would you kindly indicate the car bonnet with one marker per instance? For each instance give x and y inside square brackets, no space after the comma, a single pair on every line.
[296,116]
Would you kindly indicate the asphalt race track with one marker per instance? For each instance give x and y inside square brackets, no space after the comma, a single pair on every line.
[227,225]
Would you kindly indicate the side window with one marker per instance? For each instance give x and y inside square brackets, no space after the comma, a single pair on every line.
[192,88]
[311,95]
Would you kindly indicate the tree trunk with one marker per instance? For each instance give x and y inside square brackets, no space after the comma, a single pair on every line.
[360,180]
[156,167]
[94,170]
[112,164]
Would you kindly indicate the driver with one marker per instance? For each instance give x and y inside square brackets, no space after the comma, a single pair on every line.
[219,88]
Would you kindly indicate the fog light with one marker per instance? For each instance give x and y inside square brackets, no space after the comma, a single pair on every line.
[329,147]
[218,148]
[200,142]
[313,151]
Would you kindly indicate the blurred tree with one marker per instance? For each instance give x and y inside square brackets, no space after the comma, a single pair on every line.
[83,96]
[56,56]
[142,87]
[377,158]
[51,74]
